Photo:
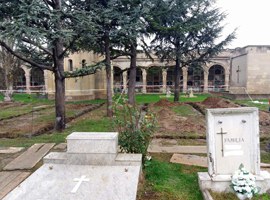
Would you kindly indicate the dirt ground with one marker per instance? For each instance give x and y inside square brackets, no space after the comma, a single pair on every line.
[171,125]
[37,122]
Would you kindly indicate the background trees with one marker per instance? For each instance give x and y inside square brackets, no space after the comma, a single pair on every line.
[45,31]
[186,32]
[9,65]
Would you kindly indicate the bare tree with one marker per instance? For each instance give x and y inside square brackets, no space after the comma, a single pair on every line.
[9,64]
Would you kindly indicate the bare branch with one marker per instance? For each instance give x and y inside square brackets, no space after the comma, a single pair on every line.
[37,45]
[4,45]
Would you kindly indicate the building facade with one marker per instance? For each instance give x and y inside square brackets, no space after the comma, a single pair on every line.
[239,71]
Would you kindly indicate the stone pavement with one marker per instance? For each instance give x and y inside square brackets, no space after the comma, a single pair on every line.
[29,158]
[20,166]
[156,147]
[183,154]
[188,159]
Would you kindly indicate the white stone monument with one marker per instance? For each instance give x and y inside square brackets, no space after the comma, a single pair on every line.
[91,169]
[168,92]
[232,139]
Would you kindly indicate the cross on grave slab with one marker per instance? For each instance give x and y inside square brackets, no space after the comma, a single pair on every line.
[80,180]
[222,141]
[238,71]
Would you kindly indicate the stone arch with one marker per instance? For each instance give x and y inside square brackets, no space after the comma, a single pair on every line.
[155,64]
[70,65]
[117,79]
[139,79]
[37,78]
[83,63]
[170,76]
[216,76]
[154,79]
[19,79]
[195,78]
[117,75]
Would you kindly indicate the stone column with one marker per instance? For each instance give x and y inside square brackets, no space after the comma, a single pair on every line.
[46,84]
[144,75]
[125,81]
[227,81]
[205,82]
[164,80]
[27,78]
[185,76]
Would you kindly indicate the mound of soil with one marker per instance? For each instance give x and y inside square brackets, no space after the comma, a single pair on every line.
[215,102]
[10,104]
[173,125]
[166,103]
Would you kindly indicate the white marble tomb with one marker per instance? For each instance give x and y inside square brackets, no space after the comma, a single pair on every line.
[232,139]
[91,169]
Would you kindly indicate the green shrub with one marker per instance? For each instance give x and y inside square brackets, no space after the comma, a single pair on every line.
[135,127]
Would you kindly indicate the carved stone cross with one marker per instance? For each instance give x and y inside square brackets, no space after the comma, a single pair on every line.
[238,71]
[80,180]
[222,143]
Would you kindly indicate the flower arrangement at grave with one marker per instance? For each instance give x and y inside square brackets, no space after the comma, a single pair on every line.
[243,183]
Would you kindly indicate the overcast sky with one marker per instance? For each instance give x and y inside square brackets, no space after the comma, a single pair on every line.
[251,17]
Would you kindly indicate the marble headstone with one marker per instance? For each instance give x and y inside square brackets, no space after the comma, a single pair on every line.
[91,169]
[232,140]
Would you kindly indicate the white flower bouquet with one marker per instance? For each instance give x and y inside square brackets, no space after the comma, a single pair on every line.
[243,183]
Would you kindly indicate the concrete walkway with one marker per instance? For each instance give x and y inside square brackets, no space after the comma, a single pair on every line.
[183,154]
[15,171]
[156,146]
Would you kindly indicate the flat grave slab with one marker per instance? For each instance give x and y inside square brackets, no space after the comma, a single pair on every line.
[154,148]
[58,182]
[11,149]
[10,180]
[189,160]
[29,158]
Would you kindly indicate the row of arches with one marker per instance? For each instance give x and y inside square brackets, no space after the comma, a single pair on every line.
[36,77]
[155,78]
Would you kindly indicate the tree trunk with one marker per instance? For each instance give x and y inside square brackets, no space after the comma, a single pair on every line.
[177,80]
[132,76]
[59,100]
[108,75]
[60,113]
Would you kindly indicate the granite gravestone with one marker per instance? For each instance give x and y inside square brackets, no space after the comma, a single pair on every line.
[232,140]
[91,169]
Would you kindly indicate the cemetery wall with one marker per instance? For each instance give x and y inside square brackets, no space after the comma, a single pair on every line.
[81,88]
[258,77]
[238,73]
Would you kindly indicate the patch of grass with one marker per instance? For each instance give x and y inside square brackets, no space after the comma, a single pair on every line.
[186,142]
[152,98]
[232,196]
[91,122]
[183,110]
[265,157]
[31,98]
[10,112]
[248,103]
[94,101]
[172,181]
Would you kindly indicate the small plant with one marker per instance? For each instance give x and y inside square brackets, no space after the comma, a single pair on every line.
[135,128]
[243,183]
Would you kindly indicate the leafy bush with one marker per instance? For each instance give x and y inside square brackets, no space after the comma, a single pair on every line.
[134,126]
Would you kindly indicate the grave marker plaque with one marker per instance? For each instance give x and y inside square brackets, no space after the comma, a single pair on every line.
[233,138]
